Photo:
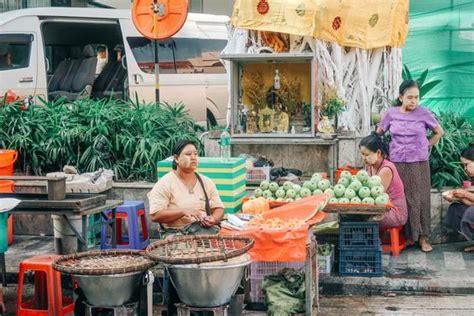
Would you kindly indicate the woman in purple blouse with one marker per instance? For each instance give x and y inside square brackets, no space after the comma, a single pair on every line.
[408,124]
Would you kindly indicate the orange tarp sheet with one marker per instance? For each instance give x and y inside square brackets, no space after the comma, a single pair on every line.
[287,244]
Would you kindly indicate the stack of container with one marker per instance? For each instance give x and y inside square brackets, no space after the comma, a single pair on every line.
[360,252]
[7,163]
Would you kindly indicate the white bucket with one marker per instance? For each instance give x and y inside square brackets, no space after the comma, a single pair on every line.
[65,240]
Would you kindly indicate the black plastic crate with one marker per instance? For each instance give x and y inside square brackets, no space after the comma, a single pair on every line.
[332,239]
[360,262]
[359,234]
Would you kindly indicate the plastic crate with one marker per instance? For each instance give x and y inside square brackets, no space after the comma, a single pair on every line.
[360,262]
[325,263]
[257,174]
[332,239]
[260,269]
[359,234]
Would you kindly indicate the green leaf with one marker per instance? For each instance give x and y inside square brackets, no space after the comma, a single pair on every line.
[428,86]
[406,73]
[422,78]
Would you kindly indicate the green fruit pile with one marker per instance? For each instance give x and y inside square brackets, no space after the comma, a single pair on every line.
[359,189]
[350,189]
[290,192]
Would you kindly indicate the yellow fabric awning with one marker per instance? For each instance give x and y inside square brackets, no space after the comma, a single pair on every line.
[365,24]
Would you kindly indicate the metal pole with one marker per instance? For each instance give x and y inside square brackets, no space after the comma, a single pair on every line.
[157,73]
[158,10]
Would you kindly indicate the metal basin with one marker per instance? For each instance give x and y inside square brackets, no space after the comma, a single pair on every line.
[207,285]
[110,290]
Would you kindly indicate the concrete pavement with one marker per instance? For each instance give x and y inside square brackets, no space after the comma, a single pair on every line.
[445,270]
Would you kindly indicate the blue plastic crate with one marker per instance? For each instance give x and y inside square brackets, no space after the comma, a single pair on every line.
[359,234]
[360,262]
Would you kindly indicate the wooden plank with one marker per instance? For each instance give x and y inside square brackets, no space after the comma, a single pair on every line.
[41,187]
[56,186]
[110,204]
[356,209]
[75,202]
[31,178]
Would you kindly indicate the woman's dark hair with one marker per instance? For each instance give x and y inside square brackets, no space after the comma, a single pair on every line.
[178,148]
[468,153]
[406,84]
[374,142]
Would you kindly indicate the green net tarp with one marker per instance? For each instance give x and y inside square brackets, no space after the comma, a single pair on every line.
[441,39]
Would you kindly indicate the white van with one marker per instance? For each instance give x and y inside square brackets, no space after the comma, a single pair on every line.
[51,52]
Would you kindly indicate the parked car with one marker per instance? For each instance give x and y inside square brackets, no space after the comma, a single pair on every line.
[52,53]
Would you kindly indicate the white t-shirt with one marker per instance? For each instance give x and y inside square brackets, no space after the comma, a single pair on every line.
[100,65]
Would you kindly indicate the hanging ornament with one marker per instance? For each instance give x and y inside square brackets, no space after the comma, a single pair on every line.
[263,7]
[373,19]
[301,9]
[336,24]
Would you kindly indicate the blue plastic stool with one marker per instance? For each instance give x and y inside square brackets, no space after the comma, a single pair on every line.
[134,213]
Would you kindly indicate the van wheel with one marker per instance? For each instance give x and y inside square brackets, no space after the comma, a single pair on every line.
[211,120]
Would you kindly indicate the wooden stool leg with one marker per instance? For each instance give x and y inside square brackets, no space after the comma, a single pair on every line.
[220,312]
[4,269]
[394,239]
[182,310]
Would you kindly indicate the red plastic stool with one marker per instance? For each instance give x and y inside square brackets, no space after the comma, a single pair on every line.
[396,241]
[48,298]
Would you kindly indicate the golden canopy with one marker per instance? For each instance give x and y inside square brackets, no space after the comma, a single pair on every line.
[365,24]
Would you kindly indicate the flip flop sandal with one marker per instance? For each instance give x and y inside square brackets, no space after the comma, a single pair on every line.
[426,247]
[471,249]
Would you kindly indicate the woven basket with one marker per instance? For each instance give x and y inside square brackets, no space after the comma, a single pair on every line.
[103,262]
[198,249]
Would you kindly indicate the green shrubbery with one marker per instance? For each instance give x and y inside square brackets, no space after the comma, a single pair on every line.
[128,138]
[446,168]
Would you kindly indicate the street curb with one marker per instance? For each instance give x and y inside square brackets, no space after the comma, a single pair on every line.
[337,285]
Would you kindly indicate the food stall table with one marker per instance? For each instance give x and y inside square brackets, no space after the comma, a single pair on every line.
[81,236]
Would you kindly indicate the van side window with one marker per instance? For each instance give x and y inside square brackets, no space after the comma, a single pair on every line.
[210,50]
[15,50]
[179,55]
[143,51]
[188,55]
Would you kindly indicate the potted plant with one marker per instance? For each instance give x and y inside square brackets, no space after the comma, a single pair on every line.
[331,106]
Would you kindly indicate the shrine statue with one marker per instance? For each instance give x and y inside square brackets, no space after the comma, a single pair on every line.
[265,121]
[284,122]
[251,122]
[324,126]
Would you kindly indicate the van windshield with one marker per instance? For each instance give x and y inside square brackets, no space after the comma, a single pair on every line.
[179,55]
